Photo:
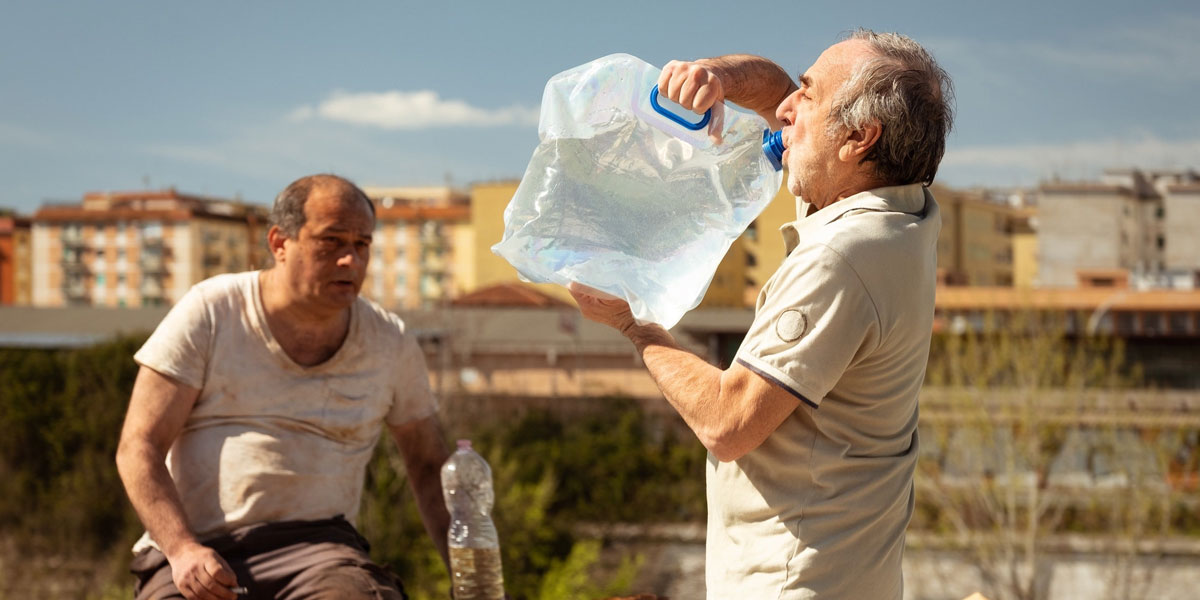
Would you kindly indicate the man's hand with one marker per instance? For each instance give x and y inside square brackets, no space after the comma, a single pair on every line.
[602,308]
[201,574]
[697,88]
[691,85]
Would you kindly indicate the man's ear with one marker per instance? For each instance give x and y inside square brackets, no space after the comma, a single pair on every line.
[275,239]
[858,143]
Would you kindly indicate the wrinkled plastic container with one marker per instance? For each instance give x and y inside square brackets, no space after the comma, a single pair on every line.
[632,200]
[475,572]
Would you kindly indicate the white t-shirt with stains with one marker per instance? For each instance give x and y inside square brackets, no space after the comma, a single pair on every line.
[269,440]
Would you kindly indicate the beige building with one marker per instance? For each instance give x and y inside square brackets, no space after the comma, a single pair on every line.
[422,246]
[143,248]
[1132,225]
[977,242]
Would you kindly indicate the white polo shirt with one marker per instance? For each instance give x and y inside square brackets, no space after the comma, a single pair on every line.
[820,508]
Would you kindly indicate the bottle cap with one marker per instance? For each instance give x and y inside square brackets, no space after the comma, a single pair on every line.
[464,444]
[773,148]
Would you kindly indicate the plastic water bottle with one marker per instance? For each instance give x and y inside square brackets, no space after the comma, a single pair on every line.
[474,546]
[633,196]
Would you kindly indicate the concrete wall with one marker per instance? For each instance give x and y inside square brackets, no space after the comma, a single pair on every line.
[1181,230]
[1083,231]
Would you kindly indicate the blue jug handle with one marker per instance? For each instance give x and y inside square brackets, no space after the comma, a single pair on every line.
[674,117]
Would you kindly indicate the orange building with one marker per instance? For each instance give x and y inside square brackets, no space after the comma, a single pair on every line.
[16,277]
[422,247]
[142,248]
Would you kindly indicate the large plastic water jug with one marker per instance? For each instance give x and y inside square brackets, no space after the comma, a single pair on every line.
[634,196]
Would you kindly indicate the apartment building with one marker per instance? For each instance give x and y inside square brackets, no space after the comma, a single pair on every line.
[976,243]
[140,248]
[422,246]
[1131,225]
[16,272]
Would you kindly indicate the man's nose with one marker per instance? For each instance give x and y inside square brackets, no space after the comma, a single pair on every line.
[784,111]
[348,258]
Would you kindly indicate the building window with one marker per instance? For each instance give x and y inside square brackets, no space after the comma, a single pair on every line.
[1152,323]
[1124,324]
[1177,323]
[1161,242]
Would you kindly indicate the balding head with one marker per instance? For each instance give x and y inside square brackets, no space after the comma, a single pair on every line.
[288,211]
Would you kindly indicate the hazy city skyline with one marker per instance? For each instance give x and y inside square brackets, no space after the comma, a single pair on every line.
[231,99]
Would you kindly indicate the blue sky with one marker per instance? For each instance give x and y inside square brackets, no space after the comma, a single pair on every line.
[239,98]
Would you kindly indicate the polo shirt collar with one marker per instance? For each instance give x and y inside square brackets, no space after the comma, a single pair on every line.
[898,198]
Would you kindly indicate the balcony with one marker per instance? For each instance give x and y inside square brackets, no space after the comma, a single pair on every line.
[74,267]
[73,241]
[75,292]
[151,289]
[152,263]
[212,261]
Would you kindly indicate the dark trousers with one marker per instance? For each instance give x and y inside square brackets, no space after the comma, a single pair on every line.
[324,559]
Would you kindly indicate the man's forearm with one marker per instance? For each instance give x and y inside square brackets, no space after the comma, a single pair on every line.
[154,497]
[751,81]
[426,485]
[690,385]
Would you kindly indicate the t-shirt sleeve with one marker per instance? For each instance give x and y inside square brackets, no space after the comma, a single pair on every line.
[815,317]
[413,398]
[179,346]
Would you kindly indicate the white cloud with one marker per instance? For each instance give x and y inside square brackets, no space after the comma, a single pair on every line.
[411,110]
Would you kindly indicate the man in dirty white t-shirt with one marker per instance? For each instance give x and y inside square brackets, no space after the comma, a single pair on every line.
[259,402]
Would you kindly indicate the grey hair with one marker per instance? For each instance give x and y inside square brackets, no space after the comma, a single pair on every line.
[287,213]
[912,98]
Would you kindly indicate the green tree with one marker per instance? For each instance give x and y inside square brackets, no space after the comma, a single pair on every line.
[549,475]
[61,501]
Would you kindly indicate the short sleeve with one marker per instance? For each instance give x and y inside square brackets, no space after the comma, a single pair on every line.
[179,346]
[813,318]
[412,397]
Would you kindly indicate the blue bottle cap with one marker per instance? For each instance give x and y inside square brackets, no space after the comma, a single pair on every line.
[773,148]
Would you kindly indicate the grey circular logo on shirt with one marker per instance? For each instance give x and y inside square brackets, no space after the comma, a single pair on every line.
[791,325]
